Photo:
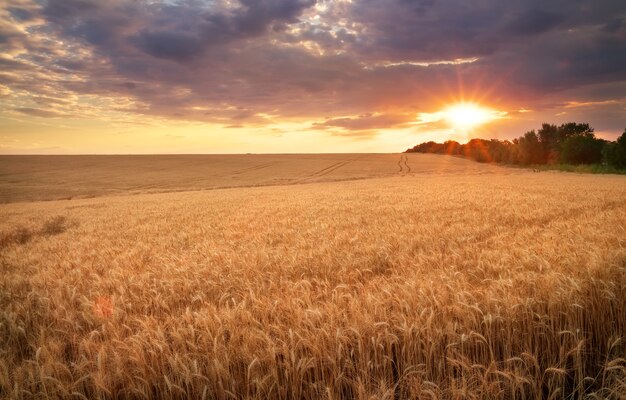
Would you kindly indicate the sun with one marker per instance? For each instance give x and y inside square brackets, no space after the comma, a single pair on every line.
[465,116]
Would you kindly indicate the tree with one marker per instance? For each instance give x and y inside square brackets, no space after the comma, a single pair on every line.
[574,129]
[614,153]
[531,151]
[572,143]
[551,142]
[478,150]
[582,149]
[452,147]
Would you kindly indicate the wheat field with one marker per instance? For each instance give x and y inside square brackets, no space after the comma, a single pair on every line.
[453,280]
[28,178]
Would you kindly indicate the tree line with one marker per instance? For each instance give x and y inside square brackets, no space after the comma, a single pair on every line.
[570,143]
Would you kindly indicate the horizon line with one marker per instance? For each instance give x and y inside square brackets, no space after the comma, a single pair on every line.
[188,154]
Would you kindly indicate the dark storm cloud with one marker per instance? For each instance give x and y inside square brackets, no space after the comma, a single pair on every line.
[176,46]
[354,66]
[177,30]
[532,22]
[253,19]
[615,25]
[21,14]
[566,58]
[63,9]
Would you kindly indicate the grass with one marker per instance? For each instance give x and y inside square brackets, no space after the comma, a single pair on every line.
[439,283]
[580,169]
[584,168]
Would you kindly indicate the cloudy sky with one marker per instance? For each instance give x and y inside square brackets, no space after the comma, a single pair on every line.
[232,76]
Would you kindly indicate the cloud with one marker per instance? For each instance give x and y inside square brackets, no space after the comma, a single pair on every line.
[577,104]
[178,31]
[532,22]
[176,46]
[368,122]
[237,63]
[37,112]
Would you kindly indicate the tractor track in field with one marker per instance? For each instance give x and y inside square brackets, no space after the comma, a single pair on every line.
[330,169]
[254,168]
[324,171]
[403,165]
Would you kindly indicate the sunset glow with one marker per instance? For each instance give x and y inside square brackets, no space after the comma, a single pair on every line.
[138,76]
[465,116]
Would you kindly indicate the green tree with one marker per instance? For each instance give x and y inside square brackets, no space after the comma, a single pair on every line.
[582,149]
[574,129]
[614,153]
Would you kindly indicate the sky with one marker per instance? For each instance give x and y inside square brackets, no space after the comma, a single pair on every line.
[301,76]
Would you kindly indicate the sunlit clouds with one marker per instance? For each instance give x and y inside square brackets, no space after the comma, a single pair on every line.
[241,76]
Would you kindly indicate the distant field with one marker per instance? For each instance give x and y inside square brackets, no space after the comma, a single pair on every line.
[452,280]
[27,178]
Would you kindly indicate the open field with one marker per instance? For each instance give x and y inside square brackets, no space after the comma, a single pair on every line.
[452,280]
[27,178]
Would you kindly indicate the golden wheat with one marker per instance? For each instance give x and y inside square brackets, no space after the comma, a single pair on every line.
[450,286]
[28,178]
